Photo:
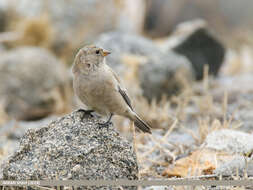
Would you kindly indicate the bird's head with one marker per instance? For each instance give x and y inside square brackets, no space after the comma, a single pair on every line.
[89,58]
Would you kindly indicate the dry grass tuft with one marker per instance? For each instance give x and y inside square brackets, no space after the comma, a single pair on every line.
[35,31]
[194,110]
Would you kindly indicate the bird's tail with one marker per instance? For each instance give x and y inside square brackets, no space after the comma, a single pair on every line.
[144,127]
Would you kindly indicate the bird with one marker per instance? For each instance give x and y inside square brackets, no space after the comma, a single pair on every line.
[100,88]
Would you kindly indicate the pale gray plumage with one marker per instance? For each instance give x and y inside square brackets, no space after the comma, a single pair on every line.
[99,88]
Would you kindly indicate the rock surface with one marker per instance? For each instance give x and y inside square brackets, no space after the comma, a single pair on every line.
[230,141]
[33,83]
[194,40]
[239,145]
[164,75]
[7,148]
[11,133]
[69,148]
[224,152]
[157,74]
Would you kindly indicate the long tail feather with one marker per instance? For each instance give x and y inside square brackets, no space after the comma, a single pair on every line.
[141,125]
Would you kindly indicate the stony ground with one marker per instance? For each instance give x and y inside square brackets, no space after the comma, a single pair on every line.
[183,130]
[200,129]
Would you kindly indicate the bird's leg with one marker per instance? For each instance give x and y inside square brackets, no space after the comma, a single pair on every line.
[85,112]
[107,122]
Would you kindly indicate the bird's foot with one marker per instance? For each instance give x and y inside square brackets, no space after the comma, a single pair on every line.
[106,124]
[103,125]
[86,113]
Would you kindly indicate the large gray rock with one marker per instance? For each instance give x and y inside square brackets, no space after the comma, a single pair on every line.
[194,40]
[7,148]
[33,83]
[239,145]
[158,75]
[165,75]
[11,133]
[69,148]
[230,141]
[238,165]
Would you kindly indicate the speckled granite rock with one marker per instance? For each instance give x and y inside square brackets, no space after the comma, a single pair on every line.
[72,149]
[34,83]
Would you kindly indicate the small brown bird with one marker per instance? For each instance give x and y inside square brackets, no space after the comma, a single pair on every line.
[100,89]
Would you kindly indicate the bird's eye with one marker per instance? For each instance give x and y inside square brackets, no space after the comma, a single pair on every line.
[97,52]
[88,65]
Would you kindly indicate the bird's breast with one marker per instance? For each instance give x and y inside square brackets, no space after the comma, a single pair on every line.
[91,91]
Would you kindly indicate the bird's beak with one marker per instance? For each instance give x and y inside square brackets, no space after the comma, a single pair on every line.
[105,53]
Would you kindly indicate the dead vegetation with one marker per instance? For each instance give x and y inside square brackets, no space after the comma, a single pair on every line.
[35,32]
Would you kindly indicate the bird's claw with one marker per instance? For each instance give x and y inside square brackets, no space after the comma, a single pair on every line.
[102,125]
[106,124]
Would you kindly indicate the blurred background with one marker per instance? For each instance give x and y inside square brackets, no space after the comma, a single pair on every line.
[182,61]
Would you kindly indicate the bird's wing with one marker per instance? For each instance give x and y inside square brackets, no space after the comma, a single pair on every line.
[122,91]
[125,97]
[115,75]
